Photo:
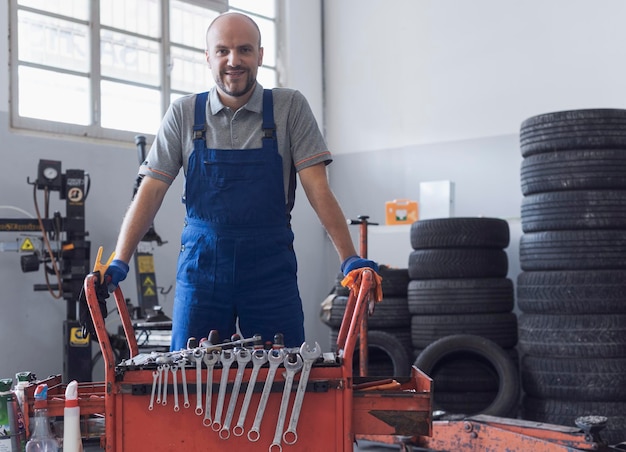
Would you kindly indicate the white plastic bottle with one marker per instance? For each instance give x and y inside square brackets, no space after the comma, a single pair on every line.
[72,441]
[42,439]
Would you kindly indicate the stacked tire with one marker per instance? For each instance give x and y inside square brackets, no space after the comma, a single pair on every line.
[463,330]
[572,288]
[388,335]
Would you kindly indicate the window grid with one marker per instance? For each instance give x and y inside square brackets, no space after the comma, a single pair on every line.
[102,74]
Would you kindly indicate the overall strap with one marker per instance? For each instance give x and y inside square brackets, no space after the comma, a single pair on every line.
[269,127]
[199,121]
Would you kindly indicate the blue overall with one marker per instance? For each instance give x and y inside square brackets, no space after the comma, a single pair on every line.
[236,261]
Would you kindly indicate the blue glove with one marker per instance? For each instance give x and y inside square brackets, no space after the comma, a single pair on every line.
[354,262]
[116,272]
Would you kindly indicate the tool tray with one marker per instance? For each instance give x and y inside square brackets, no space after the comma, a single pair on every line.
[333,416]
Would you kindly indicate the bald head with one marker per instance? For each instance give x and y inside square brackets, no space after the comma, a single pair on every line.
[234,55]
[232,20]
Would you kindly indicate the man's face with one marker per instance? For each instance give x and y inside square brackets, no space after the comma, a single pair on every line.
[234,55]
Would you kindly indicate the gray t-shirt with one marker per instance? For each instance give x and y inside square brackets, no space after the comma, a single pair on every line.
[300,142]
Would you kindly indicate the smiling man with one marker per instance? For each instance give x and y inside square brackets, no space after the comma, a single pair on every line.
[240,148]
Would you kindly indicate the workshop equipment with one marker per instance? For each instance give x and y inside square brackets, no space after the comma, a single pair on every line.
[60,243]
[331,414]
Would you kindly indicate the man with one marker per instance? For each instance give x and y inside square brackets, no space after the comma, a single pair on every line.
[240,147]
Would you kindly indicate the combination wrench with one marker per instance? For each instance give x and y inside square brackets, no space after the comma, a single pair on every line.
[197,356]
[227,357]
[275,357]
[155,378]
[174,369]
[293,363]
[259,357]
[309,356]
[210,358]
[183,373]
[243,358]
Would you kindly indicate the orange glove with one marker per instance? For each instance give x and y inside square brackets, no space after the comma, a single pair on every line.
[354,278]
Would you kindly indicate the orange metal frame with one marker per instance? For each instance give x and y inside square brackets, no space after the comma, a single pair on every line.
[331,419]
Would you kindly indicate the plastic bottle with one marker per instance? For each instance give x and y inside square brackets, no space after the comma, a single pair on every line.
[72,441]
[12,428]
[42,439]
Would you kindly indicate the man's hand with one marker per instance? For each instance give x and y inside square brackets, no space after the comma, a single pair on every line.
[354,262]
[116,272]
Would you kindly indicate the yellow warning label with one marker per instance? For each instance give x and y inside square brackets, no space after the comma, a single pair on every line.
[27,245]
[149,292]
[145,264]
[147,282]
[77,339]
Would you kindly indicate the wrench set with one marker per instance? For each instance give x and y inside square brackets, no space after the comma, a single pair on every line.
[216,360]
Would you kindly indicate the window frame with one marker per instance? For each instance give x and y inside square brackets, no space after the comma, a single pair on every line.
[94,130]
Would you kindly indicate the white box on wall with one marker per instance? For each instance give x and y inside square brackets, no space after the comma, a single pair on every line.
[436,199]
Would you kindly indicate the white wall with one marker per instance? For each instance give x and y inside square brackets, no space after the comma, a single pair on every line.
[406,72]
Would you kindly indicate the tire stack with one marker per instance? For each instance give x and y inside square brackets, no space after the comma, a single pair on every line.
[458,287]
[572,288]
[388,334]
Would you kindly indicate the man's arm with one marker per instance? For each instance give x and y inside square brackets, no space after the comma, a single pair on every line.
[323,201]
[140,216]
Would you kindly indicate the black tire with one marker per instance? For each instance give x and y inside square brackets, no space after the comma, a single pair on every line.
[574,170]
[574,209]
[574,379]
[573,336]
[460,233]
[395,281]
[565,412]
[594,249]
[460,296]
[458,263]
[573,129]
[463,344]
[500,328]
[387,356]
[573,292]
[390,312]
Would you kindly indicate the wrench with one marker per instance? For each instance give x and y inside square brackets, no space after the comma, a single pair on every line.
[166,368]
[197,356]
[227,357]
[174,369]
[243,358]
[310,356]
[210,358]
[275,357]
[159,383]
[291,367]
[183,374]
[259,357]
[155,378]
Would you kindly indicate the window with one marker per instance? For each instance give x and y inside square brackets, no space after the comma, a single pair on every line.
[110,68]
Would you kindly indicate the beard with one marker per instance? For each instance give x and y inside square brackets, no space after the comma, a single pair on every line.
[235,89]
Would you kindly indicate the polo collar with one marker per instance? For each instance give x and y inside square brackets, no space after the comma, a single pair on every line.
[254,104]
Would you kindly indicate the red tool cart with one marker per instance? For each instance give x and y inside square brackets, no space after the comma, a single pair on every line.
[337,408]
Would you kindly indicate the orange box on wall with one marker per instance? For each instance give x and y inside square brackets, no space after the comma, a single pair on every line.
[401,211]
